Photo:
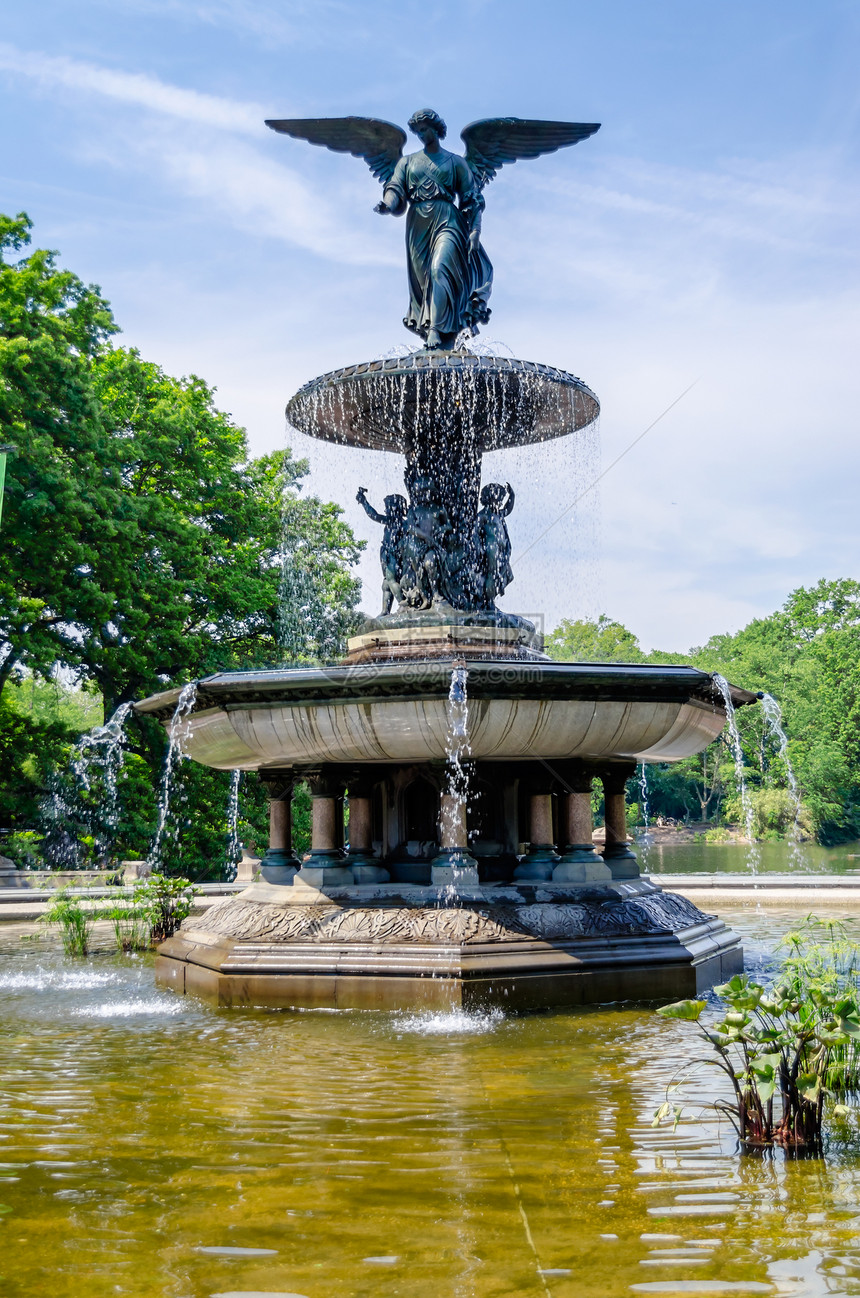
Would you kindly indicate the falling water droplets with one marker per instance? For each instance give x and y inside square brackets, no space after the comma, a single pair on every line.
[773,726]
[457,789]
[177,735]
[754,856]
[91,800]
[645,840]
[234,849]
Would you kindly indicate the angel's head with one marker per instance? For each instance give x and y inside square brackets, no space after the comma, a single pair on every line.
[426,120]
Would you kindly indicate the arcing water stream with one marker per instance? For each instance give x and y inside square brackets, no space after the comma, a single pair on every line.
[738,753]
[177,733]
[773,724]
[95,769]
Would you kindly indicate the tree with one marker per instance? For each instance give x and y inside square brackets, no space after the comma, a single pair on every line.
[141,545]
[62,485]
[593,640]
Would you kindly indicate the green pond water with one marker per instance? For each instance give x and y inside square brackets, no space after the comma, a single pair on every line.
[153,1145]
[782,857]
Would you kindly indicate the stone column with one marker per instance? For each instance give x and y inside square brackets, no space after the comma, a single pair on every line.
[453,864]
[325,864]
[364,865]
[542,858]
[279,865]
[616,852]
[579,861]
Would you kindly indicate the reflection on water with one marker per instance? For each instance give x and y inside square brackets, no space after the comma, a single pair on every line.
[733,858]
[155,1146]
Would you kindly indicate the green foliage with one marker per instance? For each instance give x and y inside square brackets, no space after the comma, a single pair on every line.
[691,1010]
[587,640]
[824,952]
[73,920]
[141,546]
[131,925]
[162,903]
[807,655]
[787,1048]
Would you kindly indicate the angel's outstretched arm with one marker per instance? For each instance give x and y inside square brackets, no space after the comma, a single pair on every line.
[394,195]
[509,506]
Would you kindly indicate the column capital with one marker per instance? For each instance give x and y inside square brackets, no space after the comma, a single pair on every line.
[615,777]
[324,781]
[576,777]
[278,784]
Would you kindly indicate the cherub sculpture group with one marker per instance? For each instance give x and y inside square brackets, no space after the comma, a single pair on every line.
[450,275]
[423,565]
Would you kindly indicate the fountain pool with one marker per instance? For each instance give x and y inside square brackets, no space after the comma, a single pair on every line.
[155,1145]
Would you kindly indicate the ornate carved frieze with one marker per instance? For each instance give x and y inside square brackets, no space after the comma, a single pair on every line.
[463,925]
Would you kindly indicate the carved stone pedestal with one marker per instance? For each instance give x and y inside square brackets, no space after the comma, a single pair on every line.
[520,947]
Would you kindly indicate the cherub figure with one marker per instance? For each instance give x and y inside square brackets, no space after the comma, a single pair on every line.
[427,538]
[390,556]
[492,543]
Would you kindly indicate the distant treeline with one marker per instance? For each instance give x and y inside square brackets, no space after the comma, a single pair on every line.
[807,655]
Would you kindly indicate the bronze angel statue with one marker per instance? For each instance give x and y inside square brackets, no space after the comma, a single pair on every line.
[450,275]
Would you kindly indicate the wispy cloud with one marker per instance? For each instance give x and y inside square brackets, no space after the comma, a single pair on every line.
[205,159]
[134,88]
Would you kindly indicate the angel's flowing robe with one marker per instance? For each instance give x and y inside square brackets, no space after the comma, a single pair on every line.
[448,286]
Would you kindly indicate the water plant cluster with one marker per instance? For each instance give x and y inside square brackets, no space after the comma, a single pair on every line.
[149,914]
[790,1048]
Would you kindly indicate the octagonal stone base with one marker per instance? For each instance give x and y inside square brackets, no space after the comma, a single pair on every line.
[396,947]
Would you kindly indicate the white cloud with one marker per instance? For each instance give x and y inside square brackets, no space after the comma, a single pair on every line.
[134,88]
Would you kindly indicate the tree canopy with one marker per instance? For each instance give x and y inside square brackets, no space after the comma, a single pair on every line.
[807,655]
[142,546]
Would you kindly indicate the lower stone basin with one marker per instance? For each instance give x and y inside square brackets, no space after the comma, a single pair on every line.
[397,712]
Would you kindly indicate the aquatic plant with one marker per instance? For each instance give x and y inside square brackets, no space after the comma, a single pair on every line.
[75,923]
[824,951]
[131,923]
[165,902]
[776,1045]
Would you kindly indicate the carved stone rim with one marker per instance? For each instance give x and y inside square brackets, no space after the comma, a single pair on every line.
[508,679]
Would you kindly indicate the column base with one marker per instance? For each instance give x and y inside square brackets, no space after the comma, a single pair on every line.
[454,866]
[366,868]
[580,864]
[621,862]
[539,864]
[279,866]
[325,868]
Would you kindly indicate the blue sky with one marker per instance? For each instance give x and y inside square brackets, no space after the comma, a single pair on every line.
[707,234]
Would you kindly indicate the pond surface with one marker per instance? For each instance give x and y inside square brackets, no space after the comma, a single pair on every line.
[151,1145]
[698,857]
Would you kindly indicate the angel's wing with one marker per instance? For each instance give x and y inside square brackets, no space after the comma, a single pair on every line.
[379,143]
[496,140]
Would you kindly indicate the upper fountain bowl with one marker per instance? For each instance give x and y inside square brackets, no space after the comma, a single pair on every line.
[397,712]
[386,405]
